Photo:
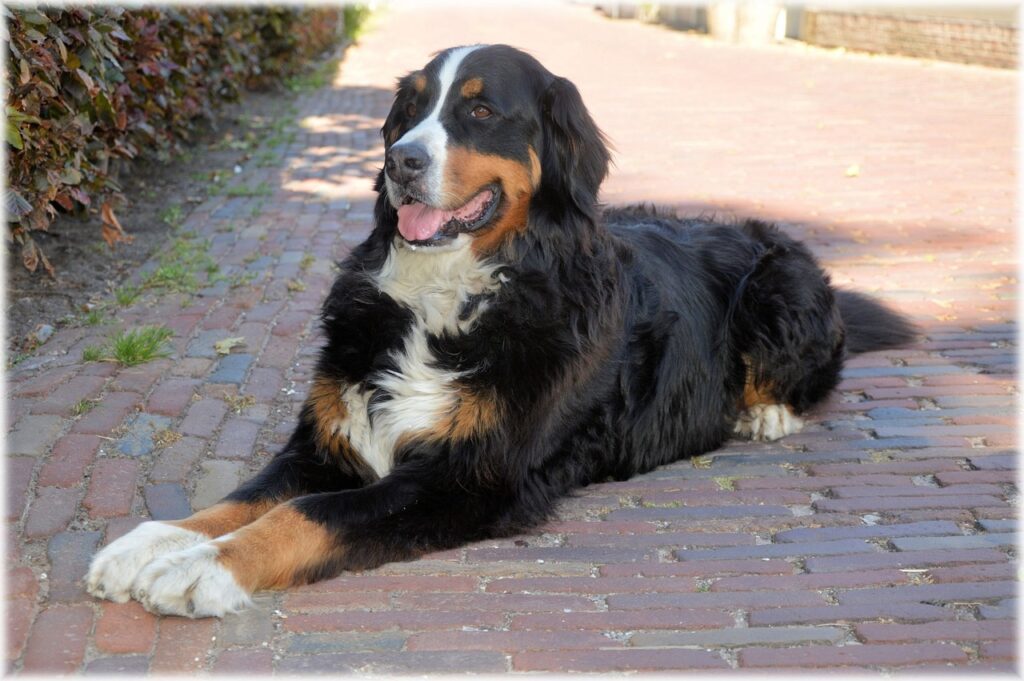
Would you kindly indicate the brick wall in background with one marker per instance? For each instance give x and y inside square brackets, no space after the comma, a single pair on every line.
[949,38]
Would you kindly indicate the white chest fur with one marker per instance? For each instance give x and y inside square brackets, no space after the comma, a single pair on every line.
[435,284]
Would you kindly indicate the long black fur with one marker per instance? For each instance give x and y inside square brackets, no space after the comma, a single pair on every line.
[620,341]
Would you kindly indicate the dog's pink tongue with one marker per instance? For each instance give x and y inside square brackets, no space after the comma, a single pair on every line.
[419,222]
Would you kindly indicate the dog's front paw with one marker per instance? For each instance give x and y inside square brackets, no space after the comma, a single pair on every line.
[113,569]
[191,583]
[767,422]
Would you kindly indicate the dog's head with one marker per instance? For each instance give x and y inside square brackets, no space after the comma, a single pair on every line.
[477,137]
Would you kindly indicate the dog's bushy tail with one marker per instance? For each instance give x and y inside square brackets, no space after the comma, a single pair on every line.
[870,325]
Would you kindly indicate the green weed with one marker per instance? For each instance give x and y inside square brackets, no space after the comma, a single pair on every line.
[140,345]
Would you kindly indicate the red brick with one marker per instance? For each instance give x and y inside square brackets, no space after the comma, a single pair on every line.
[223,318]
[875,632]
[183,645]
[507,603]
[335,600]
[574,528]
[624,620]
[237,439]
[955,477]
[264,384]
[19,622]
[19,477]
[245,661]
[640,660]
[118,527]
[203,417]
[908,612]
[57,642]
[879,504]
[998,650]
[70,458]
[108,414]
[971,573]
[361,620]
[111,488]
[824,580]
[171,396]
[932,593]
[61,402]
[398,583]
[854,490]
[897,468]
[291,324]
[43,383]
[903,559]
[51,511]
[591,585]
[819,482]
[125,628]
[852,655]
[22,583]
[722,498]
[700,568]
[511,641]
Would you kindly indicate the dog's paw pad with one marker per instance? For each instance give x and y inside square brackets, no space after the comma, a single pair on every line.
[767,422]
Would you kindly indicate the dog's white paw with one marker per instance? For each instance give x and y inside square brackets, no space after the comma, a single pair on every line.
[768,422]
[113,569]
[191,583]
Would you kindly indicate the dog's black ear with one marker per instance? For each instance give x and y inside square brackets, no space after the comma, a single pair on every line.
[575,156]
[396,117]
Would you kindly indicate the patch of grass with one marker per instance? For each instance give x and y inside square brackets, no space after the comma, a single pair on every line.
[239,403]
[725,483]
[296,285]
[315,78]
[256,209]
[165,437]
[140,345]
[173,216]
[306,262]
[241,279]
[266,158]
[180,264]
[127,294]
[262,189]
[83,407]
[92,353]
[93,317]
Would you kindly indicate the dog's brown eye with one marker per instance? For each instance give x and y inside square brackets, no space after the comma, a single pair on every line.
[410,109]
[480,111]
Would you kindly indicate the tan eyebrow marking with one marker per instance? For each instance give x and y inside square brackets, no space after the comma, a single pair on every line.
[472,87]
[419,82]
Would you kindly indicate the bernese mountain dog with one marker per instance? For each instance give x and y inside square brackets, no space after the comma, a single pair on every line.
[500,340]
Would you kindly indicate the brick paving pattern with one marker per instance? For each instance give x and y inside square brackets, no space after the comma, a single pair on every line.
[880,538]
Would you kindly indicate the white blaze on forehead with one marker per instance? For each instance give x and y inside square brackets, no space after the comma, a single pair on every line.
[430,133]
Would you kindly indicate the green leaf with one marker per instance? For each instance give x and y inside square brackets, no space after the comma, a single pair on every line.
[35,18]
[71,176]
[14,136]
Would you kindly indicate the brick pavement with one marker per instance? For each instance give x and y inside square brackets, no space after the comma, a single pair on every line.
[880,538]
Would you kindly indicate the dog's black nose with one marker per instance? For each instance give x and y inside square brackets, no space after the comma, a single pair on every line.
[406,162]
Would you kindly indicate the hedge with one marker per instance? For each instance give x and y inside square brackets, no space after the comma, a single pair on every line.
[89,85]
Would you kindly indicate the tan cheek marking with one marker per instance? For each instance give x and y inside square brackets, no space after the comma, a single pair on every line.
[472,87]
[534,168]
[227,516]
[274,551]
[468,171]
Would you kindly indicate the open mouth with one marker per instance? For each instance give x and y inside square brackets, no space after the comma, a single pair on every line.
[421,224]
